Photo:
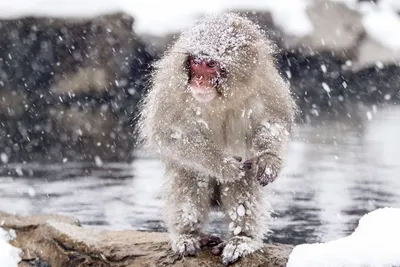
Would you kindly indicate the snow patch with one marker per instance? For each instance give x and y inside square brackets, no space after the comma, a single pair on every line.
[241,211]
[374,243]
[9,255]
[237,230]
[384,26]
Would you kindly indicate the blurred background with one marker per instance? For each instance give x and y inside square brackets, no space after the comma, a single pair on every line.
[72,73]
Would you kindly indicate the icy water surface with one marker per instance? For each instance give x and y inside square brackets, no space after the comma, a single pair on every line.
[337,170]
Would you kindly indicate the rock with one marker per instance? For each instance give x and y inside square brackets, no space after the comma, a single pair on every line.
[51,240]
[337,29]
[326,84]
[158,44]
[54,72]
[318,81]
[370,53]
[12,103]
[377,84]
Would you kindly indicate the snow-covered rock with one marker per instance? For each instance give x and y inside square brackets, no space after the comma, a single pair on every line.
[336,29]
[9,255]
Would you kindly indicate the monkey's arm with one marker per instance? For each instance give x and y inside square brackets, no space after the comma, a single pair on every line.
[269,141]
[193,150]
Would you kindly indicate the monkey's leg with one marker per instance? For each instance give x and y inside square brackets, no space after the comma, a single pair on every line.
[187,208]
[245,209]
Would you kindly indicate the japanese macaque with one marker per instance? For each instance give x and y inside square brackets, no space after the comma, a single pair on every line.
[220,115]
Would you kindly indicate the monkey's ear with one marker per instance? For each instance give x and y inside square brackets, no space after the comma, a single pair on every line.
[186,63]
[265,50]
[268,46]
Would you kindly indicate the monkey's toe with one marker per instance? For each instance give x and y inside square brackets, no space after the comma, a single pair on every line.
[238,247]
[210,240]
[217,250]
[187,245]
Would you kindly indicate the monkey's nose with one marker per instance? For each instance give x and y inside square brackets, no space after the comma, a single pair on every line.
[202,80]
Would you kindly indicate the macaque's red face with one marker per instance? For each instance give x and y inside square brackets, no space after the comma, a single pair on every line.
[205,75]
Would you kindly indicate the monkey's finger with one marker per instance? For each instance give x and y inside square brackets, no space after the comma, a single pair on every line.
[261,170]
[217,250]
[238,158]
[228,262]
[273,175]
[247,165]
[268,177]
[210,241]
[264,182]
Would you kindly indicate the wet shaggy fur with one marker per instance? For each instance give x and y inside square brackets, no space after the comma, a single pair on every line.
[235,143]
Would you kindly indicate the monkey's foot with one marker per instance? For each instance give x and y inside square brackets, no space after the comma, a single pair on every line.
[238,247]
[190,245]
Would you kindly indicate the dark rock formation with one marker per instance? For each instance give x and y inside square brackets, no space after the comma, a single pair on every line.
[324,83]
[69,88]
[59,241]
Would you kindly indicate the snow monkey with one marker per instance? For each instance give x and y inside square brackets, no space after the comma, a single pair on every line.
[220,115]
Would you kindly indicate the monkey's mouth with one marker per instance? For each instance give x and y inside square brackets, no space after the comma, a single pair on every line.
[202,94]
[204,77]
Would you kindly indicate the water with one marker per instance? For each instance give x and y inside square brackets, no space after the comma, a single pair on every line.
[336,171]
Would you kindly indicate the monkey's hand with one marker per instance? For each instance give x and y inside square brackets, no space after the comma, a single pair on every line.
[232,168]
[265,166]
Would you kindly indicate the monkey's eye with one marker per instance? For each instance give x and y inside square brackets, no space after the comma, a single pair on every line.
[211,64]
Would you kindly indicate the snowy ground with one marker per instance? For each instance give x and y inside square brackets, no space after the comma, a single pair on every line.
[159,17]
[373,244]
[9,255]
